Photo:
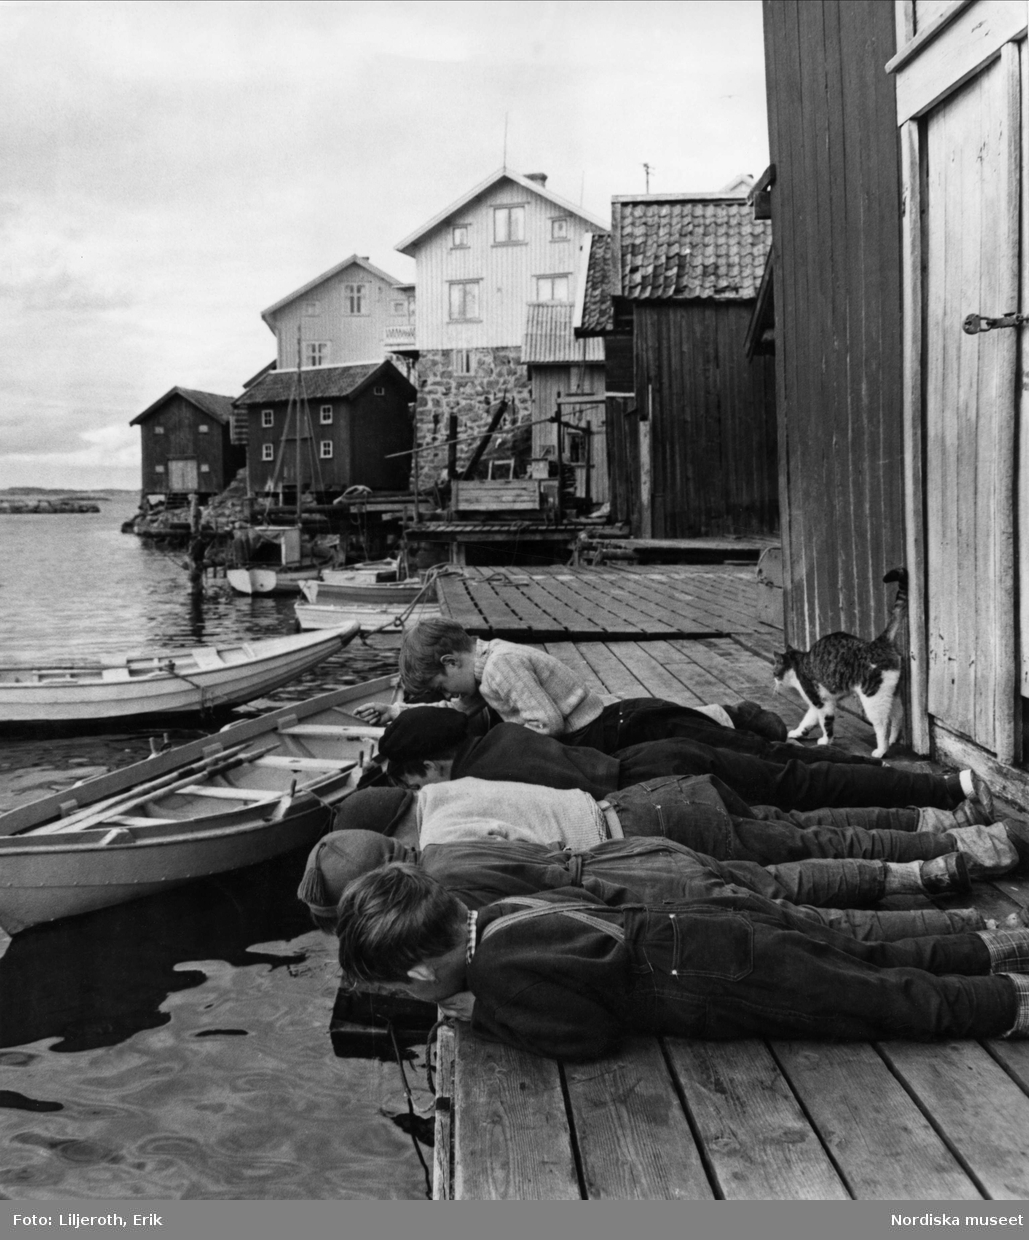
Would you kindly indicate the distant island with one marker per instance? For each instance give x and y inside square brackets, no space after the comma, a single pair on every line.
[18,500]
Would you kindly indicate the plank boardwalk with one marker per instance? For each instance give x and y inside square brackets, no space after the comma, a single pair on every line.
[668,1118]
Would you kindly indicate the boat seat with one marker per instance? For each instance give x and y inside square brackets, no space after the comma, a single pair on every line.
[229,794]
[344,731]
[306,764]
[116,673]
[207,658]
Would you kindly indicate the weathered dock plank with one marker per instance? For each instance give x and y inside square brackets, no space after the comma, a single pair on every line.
[757,1140]
[511,1134]
[634,1141]
[884,1146]
[975,1106]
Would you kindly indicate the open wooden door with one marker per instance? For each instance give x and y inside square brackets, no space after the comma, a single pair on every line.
[961,99]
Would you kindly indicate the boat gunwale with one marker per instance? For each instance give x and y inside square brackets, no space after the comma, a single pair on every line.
[48,808]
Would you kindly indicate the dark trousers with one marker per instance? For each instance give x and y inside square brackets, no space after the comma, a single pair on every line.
[637,721]
[696,814]
[741,970]
[796,783]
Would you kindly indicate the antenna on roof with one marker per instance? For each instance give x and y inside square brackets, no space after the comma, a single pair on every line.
[648,169]
[504,164]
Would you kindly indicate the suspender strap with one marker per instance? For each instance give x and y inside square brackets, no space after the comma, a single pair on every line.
[542,908]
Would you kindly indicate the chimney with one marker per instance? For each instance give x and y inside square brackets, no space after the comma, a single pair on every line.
[541,177]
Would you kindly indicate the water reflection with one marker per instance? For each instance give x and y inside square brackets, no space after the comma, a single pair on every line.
[95,980]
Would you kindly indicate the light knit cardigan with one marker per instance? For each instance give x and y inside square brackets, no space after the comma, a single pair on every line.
[527,686]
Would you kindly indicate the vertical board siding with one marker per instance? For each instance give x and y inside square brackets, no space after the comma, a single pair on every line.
[713,418]
[350,337]
[972,238]
[836,248]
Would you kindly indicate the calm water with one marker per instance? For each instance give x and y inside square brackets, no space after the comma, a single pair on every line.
[177,1047]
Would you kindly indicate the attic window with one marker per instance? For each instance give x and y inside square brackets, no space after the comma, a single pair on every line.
[559,228]
[267,417]
[353,298]
[158,429]
[380,391]
[508,225]
[316,353]
[312,307]
[203,429]
[325,415]
[459,236]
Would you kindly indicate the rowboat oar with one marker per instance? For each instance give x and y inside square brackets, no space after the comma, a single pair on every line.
[175,780]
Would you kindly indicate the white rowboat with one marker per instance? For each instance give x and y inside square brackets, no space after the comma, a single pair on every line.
[203,678]
[253,791]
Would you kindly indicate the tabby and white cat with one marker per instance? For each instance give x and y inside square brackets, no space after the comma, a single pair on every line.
[839,664]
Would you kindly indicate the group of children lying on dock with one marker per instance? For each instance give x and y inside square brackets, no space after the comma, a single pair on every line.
[581,870]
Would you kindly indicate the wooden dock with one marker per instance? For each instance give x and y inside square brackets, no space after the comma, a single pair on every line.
[679,1119]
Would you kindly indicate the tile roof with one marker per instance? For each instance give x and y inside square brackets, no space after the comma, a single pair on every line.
[319,382]
[217,407]
[679,247]
[549,337]
[597,309]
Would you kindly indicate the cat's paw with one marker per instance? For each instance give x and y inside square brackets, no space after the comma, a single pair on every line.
[825,740]
[797,734]
[878,753]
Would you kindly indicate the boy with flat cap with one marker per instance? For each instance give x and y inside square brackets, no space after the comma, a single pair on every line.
[639,871]
[565,975]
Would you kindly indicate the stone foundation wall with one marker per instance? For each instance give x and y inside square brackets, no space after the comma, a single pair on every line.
[496,373]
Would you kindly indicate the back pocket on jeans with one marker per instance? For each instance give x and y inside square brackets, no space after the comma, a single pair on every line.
[712,943]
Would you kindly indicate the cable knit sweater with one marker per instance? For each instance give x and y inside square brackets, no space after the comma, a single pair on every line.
[527,686]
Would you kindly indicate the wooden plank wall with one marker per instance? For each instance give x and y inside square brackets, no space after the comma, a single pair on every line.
[713,412]
[836,216]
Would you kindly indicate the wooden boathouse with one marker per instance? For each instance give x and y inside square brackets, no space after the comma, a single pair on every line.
[753,1119]
[898,139]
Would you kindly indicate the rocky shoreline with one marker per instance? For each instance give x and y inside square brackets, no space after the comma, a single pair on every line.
[14,506]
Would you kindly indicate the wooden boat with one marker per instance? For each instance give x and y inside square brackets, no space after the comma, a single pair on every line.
[284,573]
[253,791]
[203,678]
[334,588]
[378,621]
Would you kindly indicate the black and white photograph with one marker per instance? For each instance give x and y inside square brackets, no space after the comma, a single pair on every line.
[514,624]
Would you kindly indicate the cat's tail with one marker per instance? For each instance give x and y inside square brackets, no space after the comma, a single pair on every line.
[900,576]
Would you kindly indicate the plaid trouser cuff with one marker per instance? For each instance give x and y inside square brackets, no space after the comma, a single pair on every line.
[1020,1029]
[1009,950]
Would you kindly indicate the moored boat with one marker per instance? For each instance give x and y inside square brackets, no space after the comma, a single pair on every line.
[381,622]
[202,678]
[334,588]
[251,792]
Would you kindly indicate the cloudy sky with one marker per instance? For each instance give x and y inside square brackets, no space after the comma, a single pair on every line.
[171,168]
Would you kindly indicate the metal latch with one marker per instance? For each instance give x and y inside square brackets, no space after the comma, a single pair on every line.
[976,323]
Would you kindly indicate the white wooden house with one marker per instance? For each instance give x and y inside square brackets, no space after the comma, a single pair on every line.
[354,312]
[507,243]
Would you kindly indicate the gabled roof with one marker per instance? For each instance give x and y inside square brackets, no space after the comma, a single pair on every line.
[410,243]
[596,315]
[679,246]
[217,407]
[322,382]
[326,275]
[260,374]
[549,338]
